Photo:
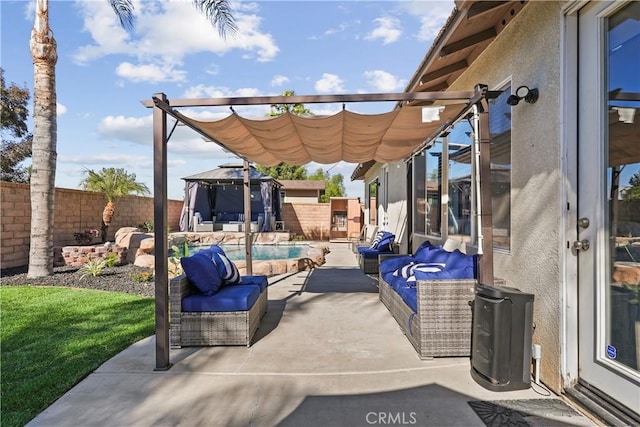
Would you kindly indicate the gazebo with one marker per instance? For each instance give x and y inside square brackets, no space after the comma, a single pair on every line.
[219,193]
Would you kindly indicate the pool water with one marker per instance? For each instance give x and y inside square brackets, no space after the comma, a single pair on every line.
[260,252]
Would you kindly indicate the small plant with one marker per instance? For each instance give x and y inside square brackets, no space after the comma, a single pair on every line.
[94,268]
[86,237]
[112,259]
[146,226]
[143,276]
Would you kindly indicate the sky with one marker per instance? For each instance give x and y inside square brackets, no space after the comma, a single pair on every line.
[310,47]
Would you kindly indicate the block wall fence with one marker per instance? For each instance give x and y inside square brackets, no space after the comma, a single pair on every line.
[310,220]
[75,211]
[78,210]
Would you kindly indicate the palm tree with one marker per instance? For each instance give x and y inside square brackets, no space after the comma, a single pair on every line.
[44,54]
[113,183]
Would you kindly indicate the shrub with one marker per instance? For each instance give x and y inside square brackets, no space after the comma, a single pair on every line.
[111,260]
[94,268]
[142,276]
[146,226]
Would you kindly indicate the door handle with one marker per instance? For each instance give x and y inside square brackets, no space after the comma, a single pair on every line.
[583,222]
[581,245]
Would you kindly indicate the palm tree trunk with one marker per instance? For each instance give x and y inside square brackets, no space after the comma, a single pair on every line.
[43,172]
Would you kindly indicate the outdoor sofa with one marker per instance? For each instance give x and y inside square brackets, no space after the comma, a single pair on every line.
[428,294]
[211,304]
[382,244]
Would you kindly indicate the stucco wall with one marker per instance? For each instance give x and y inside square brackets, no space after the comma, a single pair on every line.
[74,211]
[396,212]
[528,52]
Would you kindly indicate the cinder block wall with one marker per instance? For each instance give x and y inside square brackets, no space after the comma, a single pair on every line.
[310,220]
[75,211]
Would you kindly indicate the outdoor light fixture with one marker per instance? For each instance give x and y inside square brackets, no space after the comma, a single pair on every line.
[523,92]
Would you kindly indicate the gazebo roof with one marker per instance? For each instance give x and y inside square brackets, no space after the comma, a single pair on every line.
[227,173]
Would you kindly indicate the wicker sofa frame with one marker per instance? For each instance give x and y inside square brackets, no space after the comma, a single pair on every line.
[371,265]
[442,325]
[211,328]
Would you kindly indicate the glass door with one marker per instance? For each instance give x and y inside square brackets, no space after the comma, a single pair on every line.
[608,245]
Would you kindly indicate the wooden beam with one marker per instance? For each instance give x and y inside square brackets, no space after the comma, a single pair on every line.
[444,71]
[472,40]
[481,7]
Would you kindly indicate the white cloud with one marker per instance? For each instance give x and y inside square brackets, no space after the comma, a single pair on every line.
[166,32]
[106,160]
[279,80]
[133,129]
[149,73]
[60,109]
[329,83]
[384,81]
[388,29]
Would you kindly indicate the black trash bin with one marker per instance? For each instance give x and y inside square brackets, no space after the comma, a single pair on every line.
[501,338]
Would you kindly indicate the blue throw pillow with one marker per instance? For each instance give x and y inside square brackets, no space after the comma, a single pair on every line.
[424,248]
[409,270]
[458,259]
[394,263]
[435,254]
[386,243]
[227,269]
[201,271]
[374,243]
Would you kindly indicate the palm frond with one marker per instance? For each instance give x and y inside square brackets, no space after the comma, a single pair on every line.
[219,13]
[124,11]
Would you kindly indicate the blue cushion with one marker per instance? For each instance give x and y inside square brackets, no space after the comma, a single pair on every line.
[256,280]
[409,295]
[201,271]
[408,270]
[372,253]
[228,298]
[227,269]
[393,263]
[386,243]
[434,254]
[458,260]
[460,273]
[423,249]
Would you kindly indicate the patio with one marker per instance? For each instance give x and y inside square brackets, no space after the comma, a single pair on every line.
[327,353]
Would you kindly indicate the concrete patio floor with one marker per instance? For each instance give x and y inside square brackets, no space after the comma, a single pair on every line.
[328,353]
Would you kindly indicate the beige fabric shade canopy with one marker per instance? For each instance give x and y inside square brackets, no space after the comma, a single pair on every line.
[345,136]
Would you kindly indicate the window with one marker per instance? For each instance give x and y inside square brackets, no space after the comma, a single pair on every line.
[434,189]
[419,193]
[460,181]
[500,133]
[372,201]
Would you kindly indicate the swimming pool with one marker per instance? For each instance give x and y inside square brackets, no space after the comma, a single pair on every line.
[259,252]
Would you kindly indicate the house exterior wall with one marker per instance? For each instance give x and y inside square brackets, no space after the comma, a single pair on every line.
[300,196]
[528,52]
[396,212]
[74,211]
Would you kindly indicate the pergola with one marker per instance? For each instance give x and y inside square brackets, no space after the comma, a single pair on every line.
[347,136]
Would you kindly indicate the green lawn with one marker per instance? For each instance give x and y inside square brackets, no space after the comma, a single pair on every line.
[52,337]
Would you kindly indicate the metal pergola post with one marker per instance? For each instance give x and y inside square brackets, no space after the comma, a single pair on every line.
[247,217]
[485,275]
[160,236]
